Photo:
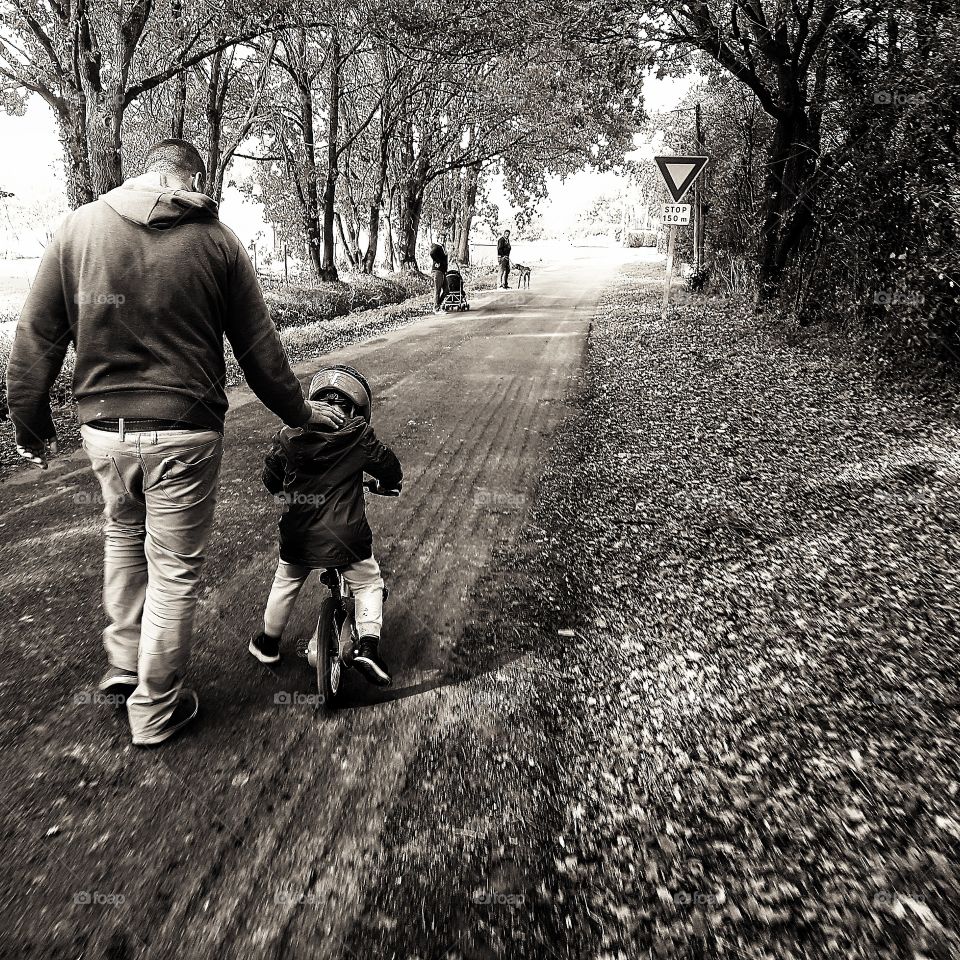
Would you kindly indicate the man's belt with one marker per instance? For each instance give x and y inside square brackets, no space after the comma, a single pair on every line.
[123,425]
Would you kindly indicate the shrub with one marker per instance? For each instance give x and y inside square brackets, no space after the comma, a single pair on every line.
[293,305]
[640,238]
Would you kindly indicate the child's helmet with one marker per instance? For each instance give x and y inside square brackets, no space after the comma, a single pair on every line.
[346,381]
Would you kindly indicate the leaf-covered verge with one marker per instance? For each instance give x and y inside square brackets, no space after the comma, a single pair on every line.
[708,707]
[312,320]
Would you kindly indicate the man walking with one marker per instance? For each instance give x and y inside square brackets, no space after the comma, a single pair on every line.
[503,256]
[146,282]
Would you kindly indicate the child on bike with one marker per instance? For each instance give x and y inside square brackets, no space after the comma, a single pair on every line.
[318,475]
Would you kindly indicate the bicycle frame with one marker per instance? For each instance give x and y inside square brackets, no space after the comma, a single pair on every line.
[345,624]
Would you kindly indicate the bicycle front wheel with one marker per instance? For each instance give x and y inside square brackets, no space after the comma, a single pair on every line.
[329,668]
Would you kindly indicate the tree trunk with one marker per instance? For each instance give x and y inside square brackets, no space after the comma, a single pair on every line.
[349,225]
[389,258]
[345,240]
[408,229]
[214,129]
[410,211]
[373,239]
[466,215]
[791,165]
[180,81]
[328,269]
[73,136]
[311,212]
[104,121]
[376,201]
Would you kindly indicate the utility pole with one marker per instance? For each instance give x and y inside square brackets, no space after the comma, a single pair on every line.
[697,198]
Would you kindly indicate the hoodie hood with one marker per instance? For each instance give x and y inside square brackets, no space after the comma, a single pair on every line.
[145,200]
[319,447]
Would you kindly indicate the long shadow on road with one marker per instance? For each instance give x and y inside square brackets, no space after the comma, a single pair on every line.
[211,844]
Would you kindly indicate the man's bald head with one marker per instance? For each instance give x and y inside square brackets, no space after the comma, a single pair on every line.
[176,158]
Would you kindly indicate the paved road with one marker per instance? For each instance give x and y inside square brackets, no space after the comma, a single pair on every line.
[214,844]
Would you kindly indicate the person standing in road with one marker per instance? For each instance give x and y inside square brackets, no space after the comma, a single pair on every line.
[503,257]
[438,256]
[145,283]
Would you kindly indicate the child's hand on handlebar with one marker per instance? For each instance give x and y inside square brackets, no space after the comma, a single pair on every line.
[374,487]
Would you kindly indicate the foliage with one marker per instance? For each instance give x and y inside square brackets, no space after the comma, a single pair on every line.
[291,306]
[881,200]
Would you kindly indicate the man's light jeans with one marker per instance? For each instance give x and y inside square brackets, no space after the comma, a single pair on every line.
[365,583]
[159,491]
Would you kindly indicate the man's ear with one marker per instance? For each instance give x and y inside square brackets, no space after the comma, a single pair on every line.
[197,182]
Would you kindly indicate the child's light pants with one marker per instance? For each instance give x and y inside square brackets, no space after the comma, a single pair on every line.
[365,583]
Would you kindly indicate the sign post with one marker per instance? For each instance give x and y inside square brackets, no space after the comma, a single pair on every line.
[668,276]
[679,174]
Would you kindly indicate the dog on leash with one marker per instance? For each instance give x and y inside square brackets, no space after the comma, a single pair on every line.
[523,275]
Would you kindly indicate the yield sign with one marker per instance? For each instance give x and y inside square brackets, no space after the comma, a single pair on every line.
[679,173]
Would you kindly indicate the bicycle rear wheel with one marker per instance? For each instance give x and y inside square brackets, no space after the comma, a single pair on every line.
[329,668]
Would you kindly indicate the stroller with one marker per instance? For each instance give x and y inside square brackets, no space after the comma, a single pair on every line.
[456,298]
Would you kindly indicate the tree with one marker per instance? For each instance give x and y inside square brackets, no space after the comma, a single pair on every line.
[781,53]
[85,59]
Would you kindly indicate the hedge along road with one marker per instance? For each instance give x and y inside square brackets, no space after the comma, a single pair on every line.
[251,834]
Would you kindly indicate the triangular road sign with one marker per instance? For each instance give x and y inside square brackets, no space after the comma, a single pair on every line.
[679,173]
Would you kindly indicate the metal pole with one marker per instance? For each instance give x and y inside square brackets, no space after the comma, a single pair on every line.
[669,273]
[286,272]
[697,224]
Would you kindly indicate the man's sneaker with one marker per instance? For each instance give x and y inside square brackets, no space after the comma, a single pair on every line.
[118,683]
[367,660]
[188,704]
[266,649]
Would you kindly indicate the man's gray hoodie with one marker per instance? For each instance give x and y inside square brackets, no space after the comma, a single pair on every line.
[145,282]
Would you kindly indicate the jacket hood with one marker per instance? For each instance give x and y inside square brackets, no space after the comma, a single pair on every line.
[147,201]
[311,446]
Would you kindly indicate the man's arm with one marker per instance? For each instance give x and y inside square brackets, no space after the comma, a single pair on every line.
[39,346]
[256,345]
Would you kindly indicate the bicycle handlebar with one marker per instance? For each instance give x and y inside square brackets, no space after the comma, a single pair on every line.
[374,487]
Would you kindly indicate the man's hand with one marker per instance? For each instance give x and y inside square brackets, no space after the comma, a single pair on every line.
[326,415]
[38,455]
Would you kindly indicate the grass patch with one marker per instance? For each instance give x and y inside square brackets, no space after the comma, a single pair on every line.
[311,319]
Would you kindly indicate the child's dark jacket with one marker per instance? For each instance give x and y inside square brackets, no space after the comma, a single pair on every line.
[320,478]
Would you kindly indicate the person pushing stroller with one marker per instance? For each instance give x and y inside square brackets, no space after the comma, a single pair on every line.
[318,475]
[438,257]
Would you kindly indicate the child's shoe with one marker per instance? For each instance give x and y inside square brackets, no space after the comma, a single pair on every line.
[265,649]
[367,659]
